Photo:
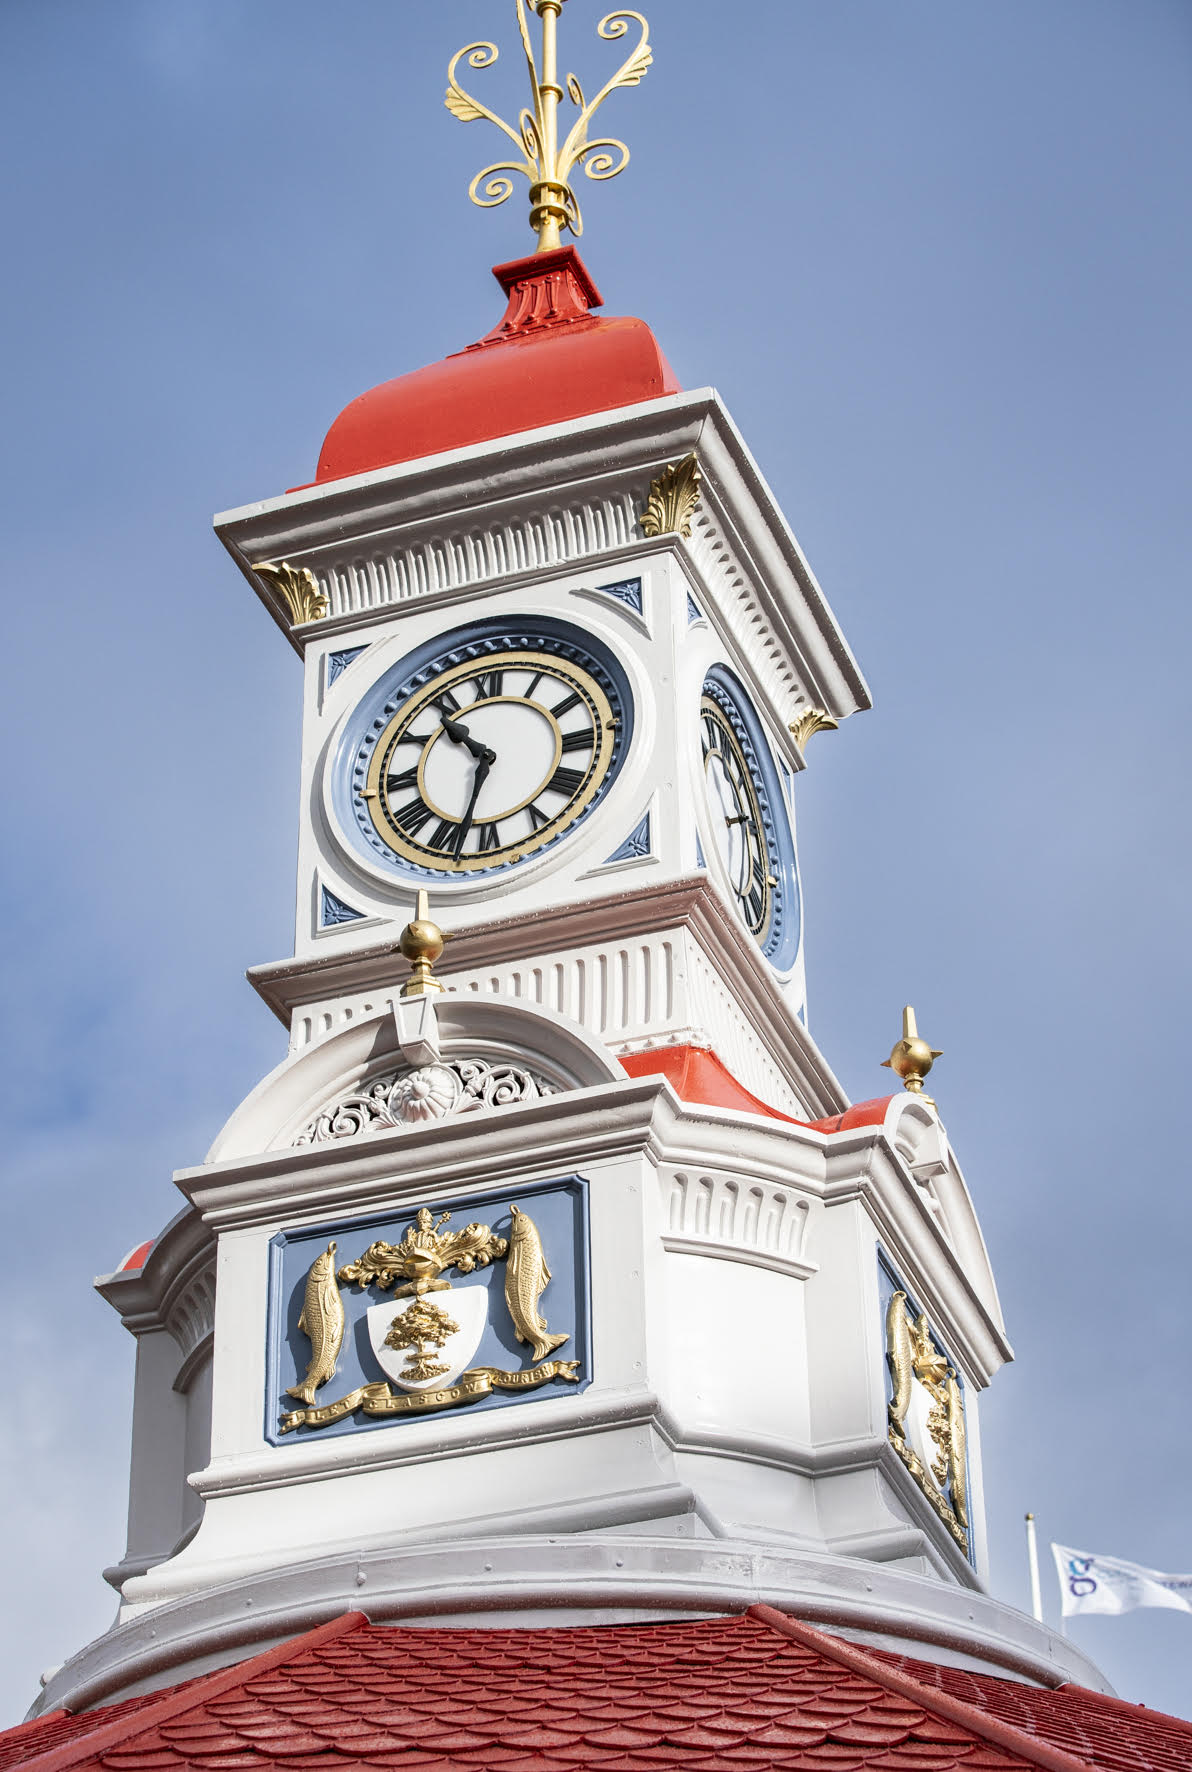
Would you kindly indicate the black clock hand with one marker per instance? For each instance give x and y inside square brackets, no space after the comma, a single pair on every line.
[485,763]
[458,733]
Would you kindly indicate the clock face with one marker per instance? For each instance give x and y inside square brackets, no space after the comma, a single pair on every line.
[487,754]
[748,817]
[736,818]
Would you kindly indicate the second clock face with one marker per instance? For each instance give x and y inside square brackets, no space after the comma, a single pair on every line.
[748,817]
[481,761]
[736,818]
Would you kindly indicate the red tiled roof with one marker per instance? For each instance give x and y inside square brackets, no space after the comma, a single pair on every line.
[716,1695]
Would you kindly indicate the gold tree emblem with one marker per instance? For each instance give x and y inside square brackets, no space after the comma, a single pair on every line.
[423,1328]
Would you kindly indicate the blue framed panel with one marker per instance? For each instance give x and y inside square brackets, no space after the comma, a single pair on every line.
[471,644]
[559,1213]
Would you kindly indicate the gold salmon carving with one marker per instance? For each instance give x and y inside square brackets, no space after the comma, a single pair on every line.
[322,1322]
[526,1279]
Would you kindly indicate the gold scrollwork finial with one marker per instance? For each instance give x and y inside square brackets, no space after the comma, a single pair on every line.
[911,1058]
[298,586]
[545,161]
[811,721]
[673,498]
[421,941]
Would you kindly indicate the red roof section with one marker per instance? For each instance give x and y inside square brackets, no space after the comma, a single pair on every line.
[716,1695]
[698,1075]
[548,360]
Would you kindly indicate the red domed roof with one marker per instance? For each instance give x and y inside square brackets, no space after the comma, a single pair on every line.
[550,359]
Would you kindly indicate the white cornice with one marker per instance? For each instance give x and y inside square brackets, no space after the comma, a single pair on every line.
[690,903]
[552,501]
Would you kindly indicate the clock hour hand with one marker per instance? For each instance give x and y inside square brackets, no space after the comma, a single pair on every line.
[458,733]
[486,760]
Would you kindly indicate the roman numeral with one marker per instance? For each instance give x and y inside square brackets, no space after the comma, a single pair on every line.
[447,702]
[535,680]
[565,782]
[443,834]
[537,817]
[565,706]
[412,816]
[489,683]
[756,903]
[487,837]
[418,738]
[407,779]
[578,741]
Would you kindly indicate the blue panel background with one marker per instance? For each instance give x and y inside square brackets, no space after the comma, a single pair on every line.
[889,1283]
[560,1211]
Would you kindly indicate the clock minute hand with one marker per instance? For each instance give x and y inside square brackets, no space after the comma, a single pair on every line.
[486,760]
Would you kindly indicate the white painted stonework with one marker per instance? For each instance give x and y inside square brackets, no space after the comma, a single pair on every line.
[729,1441]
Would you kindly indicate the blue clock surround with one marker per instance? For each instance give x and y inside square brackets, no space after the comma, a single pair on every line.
[781,945]
[465,645]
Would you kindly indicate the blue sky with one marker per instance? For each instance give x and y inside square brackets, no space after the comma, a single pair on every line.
[936,258]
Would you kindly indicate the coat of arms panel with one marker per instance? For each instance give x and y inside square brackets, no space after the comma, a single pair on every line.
[925,1406]
[478,1302]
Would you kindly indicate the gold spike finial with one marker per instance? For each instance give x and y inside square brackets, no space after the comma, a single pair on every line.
[911,1058]
[545,161]
[421,942]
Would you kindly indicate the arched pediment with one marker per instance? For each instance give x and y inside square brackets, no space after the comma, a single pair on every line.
[492,1053]
[918,1137]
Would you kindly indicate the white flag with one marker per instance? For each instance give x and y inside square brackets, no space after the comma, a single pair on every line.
[1106,1584]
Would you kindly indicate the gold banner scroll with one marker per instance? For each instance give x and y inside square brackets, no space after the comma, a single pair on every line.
[378,1399]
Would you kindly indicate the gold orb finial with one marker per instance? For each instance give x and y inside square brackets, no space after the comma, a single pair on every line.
[421,942]
[911,1058]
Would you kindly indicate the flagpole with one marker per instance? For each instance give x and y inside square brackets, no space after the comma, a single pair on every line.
[1032,1551]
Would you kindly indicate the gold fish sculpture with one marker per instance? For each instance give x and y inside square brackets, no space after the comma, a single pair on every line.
[322,1320]
[957,1456]
[526,1279]
[901,1357]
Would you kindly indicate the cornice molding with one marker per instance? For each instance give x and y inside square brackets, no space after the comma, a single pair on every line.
[548,502]
[690,903]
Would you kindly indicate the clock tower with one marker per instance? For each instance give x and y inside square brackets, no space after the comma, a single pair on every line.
[550,1278]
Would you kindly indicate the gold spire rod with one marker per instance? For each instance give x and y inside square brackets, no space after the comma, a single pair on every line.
[421,942]
[911,1057]
[547,165]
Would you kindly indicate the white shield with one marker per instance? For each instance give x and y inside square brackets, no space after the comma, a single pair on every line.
[454,1322]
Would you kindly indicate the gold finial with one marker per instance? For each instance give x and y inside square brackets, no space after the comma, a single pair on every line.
[545,163]
[912,1058]
[421,942]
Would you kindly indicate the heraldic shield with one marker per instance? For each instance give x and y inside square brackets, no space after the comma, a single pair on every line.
[422,1344]
[431,1319]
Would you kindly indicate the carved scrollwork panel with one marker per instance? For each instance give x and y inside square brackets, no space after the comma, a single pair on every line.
[412,1097]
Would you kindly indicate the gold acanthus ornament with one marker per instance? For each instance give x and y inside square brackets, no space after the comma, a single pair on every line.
[299,588]
[811,721]
[542,158]
[673,498]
